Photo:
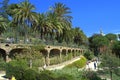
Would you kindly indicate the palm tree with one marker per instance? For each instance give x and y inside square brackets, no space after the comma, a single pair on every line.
[79,36]
[54,24]
[25,16]
[42,25]
[61,12]
[48,25]
[3,24]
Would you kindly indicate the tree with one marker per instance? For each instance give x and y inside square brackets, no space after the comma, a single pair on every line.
[79,36]
[116,48]
[110,63]
[119,36]
[25,16]
[4,5]
[111,37]
[11,9]
[98,43]
[62,14]
[3,24]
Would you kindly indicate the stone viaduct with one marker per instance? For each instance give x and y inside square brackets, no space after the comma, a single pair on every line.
[6,49]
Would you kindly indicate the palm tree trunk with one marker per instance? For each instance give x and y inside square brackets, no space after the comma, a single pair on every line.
[110,74]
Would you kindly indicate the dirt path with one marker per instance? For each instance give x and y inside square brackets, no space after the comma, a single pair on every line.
[2,74]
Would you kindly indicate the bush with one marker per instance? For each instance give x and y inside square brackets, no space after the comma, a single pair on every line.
[89,55]
[2,64]
[65,77]
[90,75]
[46,75]
[29,74]
[73,73]
[16,68]
[79,64]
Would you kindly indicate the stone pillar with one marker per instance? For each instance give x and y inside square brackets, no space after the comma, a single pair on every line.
[7,59]
[73,53]
[60,56]
[66,53]
[47,59]
[77,53]
[82,51]
[30,63]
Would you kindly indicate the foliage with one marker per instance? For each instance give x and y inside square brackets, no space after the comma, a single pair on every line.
[90,75]
[110,63]
[46,75]
[3,24]
[79,37]
[110,60]
[3,7]
[99,41]
[89,55]
[96,42]
[54,25]
[29,74]
[2,64]
[116,48]
[106,74]
[16,68]
[31,54]
[79,63]
[72,72]
[111,37]
[10,9]
[65,77]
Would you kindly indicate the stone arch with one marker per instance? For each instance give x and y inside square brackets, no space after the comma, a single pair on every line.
[76,50]
[81,51]
[73,52]
[16,51]
[54,52]
[44,52]
[2,54]
[55,56]
[69,50]
[64,52]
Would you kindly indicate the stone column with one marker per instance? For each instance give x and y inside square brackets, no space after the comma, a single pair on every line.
[66,53]
[7,59]
[47,59]
[73,52]
[30,63]
[60,56]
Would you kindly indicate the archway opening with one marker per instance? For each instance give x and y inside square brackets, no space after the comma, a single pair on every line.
[2,54]
[54,56]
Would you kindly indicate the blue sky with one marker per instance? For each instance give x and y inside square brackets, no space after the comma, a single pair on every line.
[89,15]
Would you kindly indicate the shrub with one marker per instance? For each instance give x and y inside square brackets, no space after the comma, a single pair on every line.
[16,68]
[79,64]
[90,75]
[65,77]
[46,75]
[29,74]
[2,64]
[89,55]
[73,73]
